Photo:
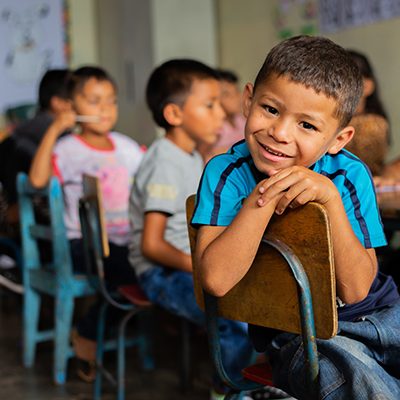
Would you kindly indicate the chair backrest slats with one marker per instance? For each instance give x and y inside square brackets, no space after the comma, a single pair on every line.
[33,231]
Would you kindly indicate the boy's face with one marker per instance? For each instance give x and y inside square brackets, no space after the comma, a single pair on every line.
[202,114]
[231,98]
[98,99]
[289,124]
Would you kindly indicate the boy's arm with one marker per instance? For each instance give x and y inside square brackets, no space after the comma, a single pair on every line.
[157,249]
[41,168]
[355,266]
[224,254]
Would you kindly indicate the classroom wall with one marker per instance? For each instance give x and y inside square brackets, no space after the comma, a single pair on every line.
[83,32]
[247,31]
[136,35]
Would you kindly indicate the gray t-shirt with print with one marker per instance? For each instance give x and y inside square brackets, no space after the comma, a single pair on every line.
[166,177]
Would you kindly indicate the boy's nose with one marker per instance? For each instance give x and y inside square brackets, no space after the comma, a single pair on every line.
[280,131]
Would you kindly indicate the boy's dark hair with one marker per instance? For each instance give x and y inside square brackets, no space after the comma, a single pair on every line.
[53,83]
[80,76]
[227,75]
[320,64]
[171,82]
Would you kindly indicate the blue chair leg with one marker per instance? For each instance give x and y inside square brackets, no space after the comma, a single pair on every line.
[144,341]
[121,354]
[32,302]
[100,351]
[64,308]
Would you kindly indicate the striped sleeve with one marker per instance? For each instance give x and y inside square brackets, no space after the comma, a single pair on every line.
[221,192]
[358,195]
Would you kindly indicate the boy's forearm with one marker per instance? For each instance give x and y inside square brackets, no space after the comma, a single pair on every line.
[41,169]
[168,256]
[226,258]
[355,268]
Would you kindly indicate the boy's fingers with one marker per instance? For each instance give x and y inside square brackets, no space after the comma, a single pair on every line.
[293,200]
[267,183]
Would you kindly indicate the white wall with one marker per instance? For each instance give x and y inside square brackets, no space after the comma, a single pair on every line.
[184,28]
[83,32]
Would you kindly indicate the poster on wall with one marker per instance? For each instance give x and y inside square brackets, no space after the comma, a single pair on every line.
[296,17]
[33,40]
[341,14]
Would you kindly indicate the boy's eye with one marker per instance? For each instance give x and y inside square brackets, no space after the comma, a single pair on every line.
[271,110]
[308,126]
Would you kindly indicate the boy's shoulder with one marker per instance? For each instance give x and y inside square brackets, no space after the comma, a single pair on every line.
[343,163]
[123,140]
[239,153]
[165,151]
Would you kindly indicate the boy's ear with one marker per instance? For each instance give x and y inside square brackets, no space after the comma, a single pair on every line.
[341,139]
[369,87]
[173,114]
[247,98]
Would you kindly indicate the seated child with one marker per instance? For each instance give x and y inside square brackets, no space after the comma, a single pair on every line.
[96,150]
[372,135]
[184,98]
[297,113]
[232,129]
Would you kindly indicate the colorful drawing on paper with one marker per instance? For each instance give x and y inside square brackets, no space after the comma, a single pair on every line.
[341,14]
[296,17]
[33,40]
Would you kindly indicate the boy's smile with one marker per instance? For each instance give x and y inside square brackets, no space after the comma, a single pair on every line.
[289,124]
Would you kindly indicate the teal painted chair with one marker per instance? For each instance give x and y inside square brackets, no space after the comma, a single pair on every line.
[54,277]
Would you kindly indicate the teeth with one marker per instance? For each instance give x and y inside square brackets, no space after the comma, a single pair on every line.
[275,153]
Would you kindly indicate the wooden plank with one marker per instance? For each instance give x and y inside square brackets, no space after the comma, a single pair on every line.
[92,190]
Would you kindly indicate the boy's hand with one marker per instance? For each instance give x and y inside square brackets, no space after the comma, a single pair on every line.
[296,186]
[64,120]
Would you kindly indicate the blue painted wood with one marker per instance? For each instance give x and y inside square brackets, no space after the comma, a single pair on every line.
[56,279]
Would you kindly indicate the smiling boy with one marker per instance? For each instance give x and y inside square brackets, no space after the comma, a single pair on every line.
[297,125]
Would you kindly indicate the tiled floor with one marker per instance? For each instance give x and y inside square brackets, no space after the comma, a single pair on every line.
[18,383]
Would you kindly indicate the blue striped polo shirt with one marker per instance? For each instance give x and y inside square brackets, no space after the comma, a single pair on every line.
[229,178]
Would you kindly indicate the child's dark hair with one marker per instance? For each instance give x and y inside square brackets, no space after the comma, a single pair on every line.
[80,76]
[52,84]
[320,64]
[373,104]
[227,75]
[171,82]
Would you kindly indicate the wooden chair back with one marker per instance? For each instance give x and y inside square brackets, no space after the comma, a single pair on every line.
[92,194]
[267,295]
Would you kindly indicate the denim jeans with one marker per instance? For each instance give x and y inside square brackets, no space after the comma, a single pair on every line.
[361,363]
[173,290]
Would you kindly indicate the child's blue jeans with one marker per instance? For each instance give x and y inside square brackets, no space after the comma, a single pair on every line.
[361,363]
[173,290]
